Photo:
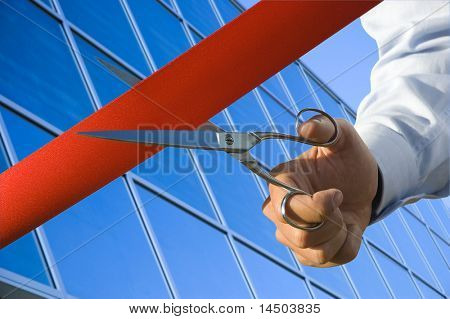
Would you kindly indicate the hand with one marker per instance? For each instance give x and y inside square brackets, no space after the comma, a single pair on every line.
[343,179]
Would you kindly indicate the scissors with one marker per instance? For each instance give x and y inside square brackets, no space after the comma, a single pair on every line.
[236,144]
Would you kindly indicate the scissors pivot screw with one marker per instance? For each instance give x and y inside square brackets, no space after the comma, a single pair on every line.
[229,139]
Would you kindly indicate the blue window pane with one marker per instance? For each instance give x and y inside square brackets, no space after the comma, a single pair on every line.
[443,214]
[320,293]
[406,246]
[228,11]
[351,118]
[106,22]
[416,210]
[220,120]
[429,216]
[283,119]
[230,179]
[270,280]
[47,2]
[248,116]
[3,159]
[168,2]
[196,36]
[107,85]
[198,256]
[162,31]
[38,71]
[427,291]
[444,248]
[24,258]
[101,248]
[269,153]
[274,86]
[330,105]
[298,88]
[376,233]
[332,278]
[368,286]
[399,279]
[200,14]
[25,137]
[437,262]
[172,170]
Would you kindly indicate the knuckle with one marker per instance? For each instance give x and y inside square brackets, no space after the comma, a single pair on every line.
[265,211]
[301,239]
[269,213]
[304,261]
[343,122]
[321,257]
[266,205]
[351,255]
[279,237]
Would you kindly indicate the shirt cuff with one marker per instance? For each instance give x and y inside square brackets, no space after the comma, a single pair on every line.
[397,165]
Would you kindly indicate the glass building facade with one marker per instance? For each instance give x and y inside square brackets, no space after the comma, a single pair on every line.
[184,228]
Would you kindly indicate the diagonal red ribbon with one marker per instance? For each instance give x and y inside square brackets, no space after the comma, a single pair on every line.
[207,78]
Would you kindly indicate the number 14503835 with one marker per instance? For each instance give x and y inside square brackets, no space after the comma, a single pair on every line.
[289,308]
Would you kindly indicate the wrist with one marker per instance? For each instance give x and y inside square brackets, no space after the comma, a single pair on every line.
[377,199]
[397,167]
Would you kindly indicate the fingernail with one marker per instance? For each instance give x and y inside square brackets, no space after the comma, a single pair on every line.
[337,199]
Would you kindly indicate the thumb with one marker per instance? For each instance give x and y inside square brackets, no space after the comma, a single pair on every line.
[317,129]
[329,199]
[320,129]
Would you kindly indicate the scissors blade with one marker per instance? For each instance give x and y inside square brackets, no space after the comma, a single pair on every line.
[122,74]
[232,142]
[203,139]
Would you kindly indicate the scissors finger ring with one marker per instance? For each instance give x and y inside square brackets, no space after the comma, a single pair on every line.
[292,222]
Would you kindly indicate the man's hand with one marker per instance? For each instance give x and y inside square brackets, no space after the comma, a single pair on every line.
[343,179]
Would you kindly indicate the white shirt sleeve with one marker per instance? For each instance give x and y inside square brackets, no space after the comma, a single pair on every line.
[405,119]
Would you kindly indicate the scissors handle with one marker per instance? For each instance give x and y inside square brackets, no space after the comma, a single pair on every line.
[280,136]
[301,118]
[292,222]
[253,165]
